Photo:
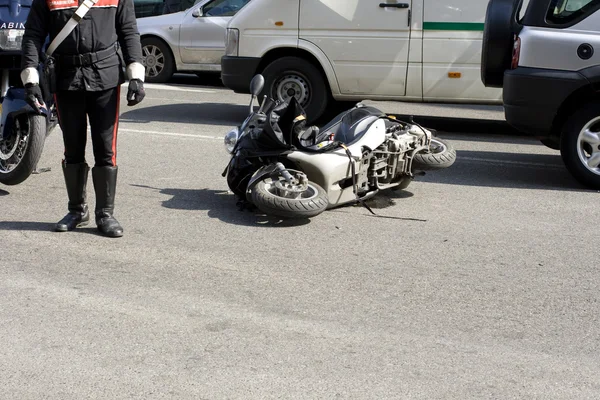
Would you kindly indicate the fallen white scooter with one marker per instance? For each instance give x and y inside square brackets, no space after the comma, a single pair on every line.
[289,170]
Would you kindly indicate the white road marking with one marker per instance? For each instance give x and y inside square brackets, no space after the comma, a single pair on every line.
[175,88]
[172,100]
[172,134]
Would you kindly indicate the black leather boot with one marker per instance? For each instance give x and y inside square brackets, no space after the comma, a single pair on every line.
[105,184]
[76,176]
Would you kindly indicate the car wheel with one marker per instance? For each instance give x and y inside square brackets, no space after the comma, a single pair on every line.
[290,77]
[157,59]
[580,145]
[498,41]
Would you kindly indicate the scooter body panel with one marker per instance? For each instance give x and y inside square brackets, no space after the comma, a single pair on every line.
[329,169]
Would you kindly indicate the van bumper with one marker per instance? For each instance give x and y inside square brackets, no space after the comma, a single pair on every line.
[533,97]
[237,72]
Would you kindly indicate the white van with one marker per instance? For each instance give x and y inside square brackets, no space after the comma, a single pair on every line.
[320,50]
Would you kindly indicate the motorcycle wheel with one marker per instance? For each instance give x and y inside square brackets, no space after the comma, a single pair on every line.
[441,155]
[268,198]
[20,154]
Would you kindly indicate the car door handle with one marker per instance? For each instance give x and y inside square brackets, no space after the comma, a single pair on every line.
[394,5]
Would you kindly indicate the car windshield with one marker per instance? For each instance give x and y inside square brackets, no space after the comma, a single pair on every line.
[565,11]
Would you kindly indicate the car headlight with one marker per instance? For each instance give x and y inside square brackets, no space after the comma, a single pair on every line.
[11,39]
[232,40]
[231,139]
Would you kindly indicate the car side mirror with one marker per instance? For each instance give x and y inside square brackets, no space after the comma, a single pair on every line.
[198,12]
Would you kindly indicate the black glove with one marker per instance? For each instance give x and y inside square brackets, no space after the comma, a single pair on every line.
[136,92]
[33,96]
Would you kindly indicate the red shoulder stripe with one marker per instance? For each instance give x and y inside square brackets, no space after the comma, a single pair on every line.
[55,5]
[62,4]
[107,3]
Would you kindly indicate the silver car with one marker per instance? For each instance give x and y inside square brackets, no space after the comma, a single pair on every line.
[183,36]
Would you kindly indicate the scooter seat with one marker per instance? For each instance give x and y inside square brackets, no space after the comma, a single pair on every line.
[350,126]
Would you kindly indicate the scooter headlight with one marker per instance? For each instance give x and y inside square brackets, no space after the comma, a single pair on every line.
[231,139]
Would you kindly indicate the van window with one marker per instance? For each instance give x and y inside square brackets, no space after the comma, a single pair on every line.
[565,11]
[223,8]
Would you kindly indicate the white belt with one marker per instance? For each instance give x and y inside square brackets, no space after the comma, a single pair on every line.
[70,25]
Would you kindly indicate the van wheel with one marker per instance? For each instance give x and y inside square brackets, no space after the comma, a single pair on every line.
[290,77]
[580,145]
[156,57]
[498,38]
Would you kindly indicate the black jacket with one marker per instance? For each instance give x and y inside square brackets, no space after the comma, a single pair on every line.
[109,23]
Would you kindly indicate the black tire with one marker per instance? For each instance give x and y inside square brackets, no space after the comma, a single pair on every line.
[33,151]
[272,204]
[574,151]
[551,143]
[158,60]
[498,41]
[442,155]
[300,73]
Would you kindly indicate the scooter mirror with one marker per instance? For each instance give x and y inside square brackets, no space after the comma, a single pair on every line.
[257,84]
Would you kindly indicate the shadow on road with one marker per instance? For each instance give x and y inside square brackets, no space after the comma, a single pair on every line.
[205,113]
[26,226]
[473,126]
[202,79]
[463,125]
[507,170]
[32,226]
[3,192]
[220,204]
[485,136]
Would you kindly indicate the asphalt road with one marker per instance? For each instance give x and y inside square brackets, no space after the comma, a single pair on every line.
[479,281]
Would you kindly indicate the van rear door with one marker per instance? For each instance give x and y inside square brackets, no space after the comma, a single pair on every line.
[367,42]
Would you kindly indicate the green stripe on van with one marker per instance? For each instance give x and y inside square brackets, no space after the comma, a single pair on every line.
[453,26]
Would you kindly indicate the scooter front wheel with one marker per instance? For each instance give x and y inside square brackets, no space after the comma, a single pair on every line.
[21,151]
[271,197]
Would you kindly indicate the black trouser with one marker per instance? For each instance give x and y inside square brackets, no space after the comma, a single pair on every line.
[102,108]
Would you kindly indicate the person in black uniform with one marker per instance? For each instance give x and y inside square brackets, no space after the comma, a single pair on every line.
[89,76]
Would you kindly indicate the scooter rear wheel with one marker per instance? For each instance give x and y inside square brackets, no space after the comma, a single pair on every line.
[441,155]
[310,203]
[20,154]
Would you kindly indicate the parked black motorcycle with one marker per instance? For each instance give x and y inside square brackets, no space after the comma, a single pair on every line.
[22,131]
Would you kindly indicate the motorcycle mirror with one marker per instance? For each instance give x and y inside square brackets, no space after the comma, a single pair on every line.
[257,84]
